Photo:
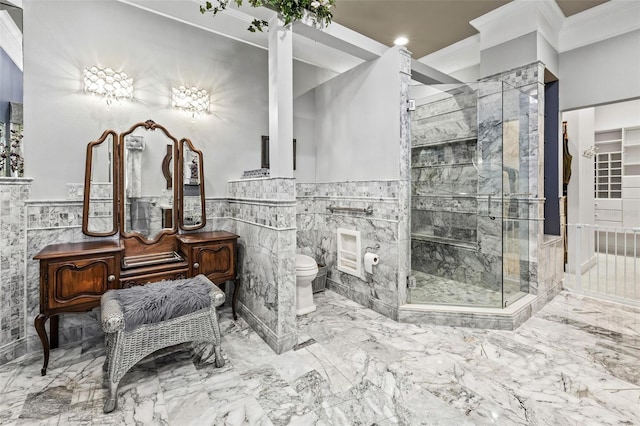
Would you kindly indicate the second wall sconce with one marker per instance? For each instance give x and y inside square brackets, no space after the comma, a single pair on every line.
[108,83]
[193,100]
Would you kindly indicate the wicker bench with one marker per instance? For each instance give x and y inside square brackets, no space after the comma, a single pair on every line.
[126,344]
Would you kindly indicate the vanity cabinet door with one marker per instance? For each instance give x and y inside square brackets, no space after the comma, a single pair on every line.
[215,260]
[79,282]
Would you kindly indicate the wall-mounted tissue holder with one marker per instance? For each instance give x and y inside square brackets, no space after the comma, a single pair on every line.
[349,259]
[370,260]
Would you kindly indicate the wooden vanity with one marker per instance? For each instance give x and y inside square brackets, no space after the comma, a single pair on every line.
[74,276]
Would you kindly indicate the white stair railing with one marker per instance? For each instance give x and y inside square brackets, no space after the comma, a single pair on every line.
[603,262]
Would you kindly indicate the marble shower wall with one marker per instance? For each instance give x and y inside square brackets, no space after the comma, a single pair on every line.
[317,231]
[264,210]
[452,233]
[13,194]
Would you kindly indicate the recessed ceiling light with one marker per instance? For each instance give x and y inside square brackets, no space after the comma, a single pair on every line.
[401,41]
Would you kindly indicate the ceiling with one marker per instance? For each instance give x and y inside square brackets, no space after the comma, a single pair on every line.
[14,12]
[430,25]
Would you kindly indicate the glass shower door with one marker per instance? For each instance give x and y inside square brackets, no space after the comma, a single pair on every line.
[515,196]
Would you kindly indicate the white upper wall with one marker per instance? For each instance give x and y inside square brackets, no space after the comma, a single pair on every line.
[614,116]
[600,73]
[304,126]
[509,55]
[358,122]
[63,37]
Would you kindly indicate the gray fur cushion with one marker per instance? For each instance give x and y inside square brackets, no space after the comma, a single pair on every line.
[156,302]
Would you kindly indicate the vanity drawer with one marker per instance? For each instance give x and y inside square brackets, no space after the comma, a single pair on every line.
[134,280]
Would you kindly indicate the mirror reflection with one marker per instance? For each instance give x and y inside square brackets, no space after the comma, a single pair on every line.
[192,191]
[148,204]
[100,186]
[11,91]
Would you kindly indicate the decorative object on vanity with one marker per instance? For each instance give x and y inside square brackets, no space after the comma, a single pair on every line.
[190,99]
[126,191]
[319,11]
[108,83]
[139,321]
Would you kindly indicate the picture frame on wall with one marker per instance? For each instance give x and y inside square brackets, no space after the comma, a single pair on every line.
[264,152]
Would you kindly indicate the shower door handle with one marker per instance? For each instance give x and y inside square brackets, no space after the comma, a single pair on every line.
[489,208]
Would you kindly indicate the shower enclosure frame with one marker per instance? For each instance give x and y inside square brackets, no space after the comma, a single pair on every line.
[469,195]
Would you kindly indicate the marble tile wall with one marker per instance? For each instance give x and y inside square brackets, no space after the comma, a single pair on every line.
[13,194]
[263,210]
[317,230]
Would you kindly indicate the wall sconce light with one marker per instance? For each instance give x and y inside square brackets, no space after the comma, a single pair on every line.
[108,83]
[193,100]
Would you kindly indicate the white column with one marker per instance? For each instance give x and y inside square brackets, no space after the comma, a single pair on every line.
[280,99]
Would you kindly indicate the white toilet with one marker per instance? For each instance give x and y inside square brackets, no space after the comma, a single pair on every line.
[306,272]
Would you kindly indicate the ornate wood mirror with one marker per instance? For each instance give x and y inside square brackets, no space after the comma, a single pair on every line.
[146,184]
[100,204]
[192,212]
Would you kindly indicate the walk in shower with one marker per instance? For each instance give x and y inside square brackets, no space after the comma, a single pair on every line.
[469,177]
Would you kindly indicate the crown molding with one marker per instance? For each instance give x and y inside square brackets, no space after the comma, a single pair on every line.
[11,38]
[518,18]
[610,19]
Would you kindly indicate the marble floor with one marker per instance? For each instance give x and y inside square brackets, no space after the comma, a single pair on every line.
[434,290]
[574,363]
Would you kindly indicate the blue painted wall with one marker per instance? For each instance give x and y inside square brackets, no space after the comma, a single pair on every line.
[10,85]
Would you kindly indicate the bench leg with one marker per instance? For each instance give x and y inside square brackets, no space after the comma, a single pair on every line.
[219,359]
[112,399]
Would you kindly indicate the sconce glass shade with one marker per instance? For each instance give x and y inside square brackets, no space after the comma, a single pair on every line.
[108,83]
[194,100]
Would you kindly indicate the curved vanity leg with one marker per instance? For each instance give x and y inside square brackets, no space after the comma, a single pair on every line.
[42,333]
[234,302]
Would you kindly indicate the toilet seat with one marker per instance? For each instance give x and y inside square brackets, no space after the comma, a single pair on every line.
[305,264]
[306,272]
